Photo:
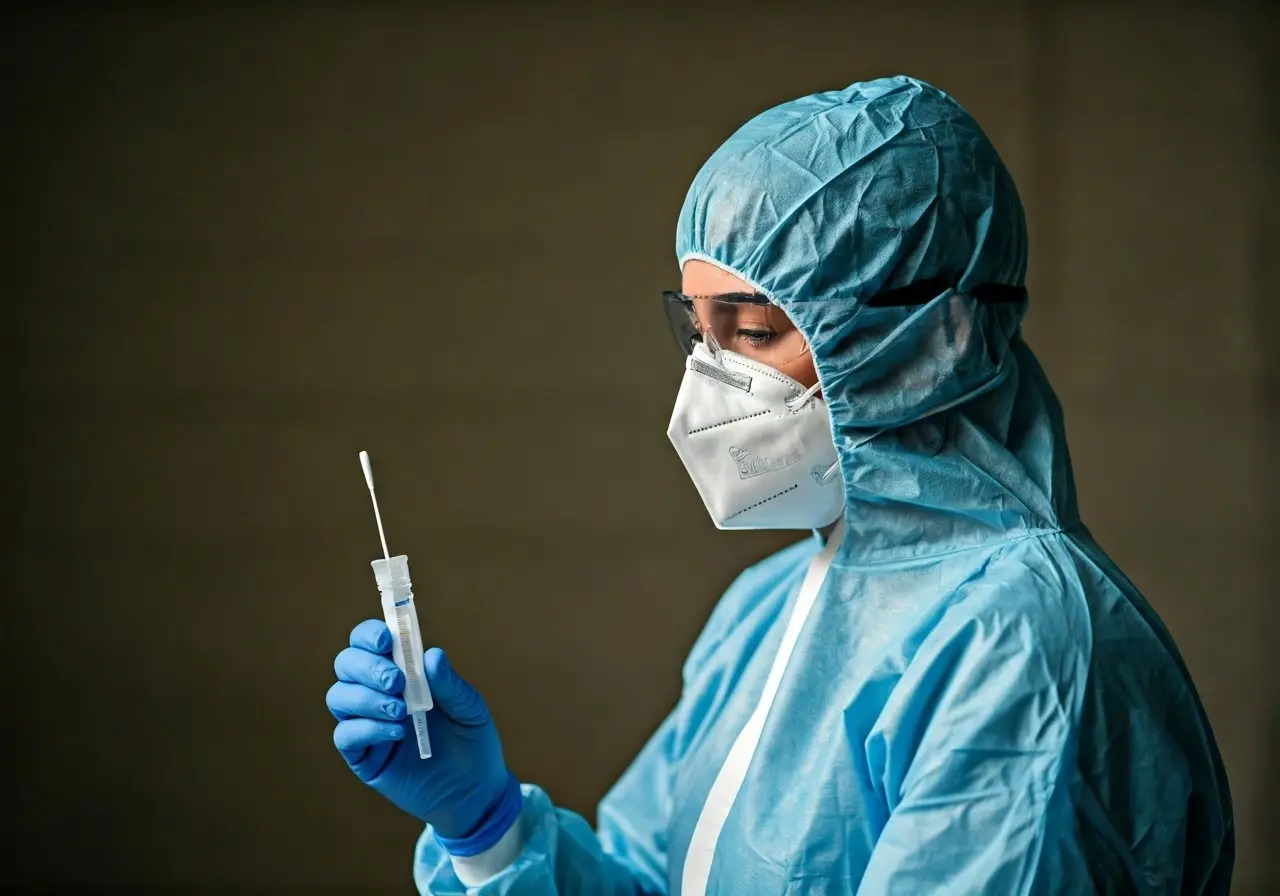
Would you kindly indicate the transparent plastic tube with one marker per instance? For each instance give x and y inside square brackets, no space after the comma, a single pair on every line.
[392,576]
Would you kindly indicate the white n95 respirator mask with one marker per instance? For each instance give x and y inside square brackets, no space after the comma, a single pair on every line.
[756,443]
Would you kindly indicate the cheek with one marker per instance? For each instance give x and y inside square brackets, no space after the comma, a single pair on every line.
[801,370]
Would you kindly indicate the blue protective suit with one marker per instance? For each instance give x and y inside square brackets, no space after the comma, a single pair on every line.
[979,701]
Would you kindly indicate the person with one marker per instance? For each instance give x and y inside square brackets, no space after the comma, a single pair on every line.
[947,687]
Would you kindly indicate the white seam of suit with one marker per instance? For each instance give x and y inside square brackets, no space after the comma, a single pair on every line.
[724,790]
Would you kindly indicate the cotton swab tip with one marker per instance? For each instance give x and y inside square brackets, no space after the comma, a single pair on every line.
[368,469]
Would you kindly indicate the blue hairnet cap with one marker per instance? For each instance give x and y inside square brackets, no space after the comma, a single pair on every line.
[825,201]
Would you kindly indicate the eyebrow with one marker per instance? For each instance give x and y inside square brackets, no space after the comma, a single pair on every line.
[748,298]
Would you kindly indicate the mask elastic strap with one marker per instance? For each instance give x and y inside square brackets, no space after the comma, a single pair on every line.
[795,403]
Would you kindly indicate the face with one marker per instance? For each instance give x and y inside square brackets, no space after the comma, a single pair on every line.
[763,333]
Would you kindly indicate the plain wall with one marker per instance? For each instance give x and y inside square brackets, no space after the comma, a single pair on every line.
[245,245]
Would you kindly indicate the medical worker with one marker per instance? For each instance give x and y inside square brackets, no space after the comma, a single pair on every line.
[946,686]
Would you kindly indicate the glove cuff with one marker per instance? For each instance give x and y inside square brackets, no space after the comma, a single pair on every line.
[496,822]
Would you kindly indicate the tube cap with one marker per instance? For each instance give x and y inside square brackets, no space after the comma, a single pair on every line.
[393,572]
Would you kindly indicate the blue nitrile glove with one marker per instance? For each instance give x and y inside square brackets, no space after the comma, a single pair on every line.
[464,791]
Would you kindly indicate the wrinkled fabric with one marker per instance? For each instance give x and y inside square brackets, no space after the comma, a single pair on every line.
[979,701]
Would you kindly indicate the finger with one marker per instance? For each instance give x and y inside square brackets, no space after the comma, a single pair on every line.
[451,693]
[353,736]
[355,701]
[372,635]
[369,669]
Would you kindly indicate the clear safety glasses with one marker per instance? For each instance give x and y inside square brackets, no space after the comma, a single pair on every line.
[746,323]
[749,324]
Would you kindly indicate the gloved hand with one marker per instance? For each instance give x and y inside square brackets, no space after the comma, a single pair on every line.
[464,791]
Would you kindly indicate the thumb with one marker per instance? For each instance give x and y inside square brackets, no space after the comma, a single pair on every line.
[451,693]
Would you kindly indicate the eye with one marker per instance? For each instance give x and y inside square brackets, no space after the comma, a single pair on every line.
[757,338]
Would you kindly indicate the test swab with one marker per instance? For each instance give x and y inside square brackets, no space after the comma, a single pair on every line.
[392,576]
[373,495]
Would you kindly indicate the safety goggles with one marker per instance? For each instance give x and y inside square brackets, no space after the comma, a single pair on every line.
[750,324]
[745,322]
